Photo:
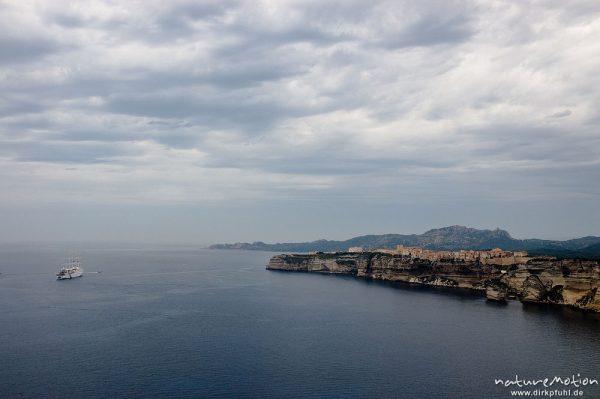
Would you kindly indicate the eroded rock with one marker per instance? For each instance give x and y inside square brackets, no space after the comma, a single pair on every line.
[543,279]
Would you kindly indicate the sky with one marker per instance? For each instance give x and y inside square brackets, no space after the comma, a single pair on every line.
[224,121]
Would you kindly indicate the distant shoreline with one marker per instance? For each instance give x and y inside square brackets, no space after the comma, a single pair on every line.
[450,238]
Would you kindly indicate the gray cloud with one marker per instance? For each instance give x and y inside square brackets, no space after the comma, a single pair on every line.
[74,136]
[16,50]
[415,101]
[62,152]
[561,114]
[219,113]
[431,31]
[324,164]
[12,106]
[165,23]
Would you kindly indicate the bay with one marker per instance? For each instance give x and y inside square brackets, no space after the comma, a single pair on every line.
[194,323]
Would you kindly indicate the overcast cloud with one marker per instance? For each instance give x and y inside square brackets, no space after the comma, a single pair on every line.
[204,121]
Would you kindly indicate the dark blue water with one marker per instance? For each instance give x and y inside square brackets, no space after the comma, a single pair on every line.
[197,324]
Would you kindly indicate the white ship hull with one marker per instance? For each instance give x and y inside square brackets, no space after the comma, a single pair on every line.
[69,274]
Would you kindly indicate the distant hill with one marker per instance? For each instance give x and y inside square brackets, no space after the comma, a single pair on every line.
[446,238]
[589,252]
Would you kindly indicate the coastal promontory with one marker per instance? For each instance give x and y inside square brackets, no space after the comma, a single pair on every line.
[500,274]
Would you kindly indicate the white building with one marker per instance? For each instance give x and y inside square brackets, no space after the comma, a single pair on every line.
[355,249]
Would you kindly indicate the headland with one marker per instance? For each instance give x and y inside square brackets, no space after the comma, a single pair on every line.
[498,273]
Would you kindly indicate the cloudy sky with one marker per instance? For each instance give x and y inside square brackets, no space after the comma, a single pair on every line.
[201,121]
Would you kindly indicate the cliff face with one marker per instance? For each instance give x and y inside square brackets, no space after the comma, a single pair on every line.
[571,282]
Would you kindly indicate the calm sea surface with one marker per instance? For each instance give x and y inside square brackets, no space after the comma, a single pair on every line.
[202,324]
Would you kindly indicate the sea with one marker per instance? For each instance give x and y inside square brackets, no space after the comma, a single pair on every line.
[160,322]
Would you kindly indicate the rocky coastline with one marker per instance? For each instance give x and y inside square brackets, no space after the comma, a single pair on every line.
[567,282]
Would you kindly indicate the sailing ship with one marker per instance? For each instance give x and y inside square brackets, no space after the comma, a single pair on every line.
[70,270]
